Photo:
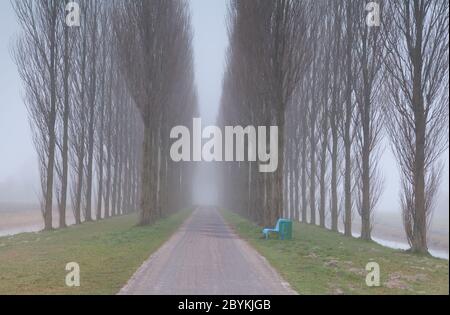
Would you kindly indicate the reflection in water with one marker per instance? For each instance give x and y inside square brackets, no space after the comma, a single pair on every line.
[388,243]
[398,245]
[19,230]
[438,253]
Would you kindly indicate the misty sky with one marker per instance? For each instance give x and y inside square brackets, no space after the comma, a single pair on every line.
[18,167]
[210,43]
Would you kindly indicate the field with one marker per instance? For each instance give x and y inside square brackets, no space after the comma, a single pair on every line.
[108,253]
[318,261]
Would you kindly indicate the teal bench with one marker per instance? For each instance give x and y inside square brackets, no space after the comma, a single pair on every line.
[283,228]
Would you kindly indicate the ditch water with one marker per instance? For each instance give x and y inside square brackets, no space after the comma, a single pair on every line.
[399,245]
[19,230]
[439,253]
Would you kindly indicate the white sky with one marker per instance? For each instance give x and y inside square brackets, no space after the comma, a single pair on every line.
[210,43]
[18,167]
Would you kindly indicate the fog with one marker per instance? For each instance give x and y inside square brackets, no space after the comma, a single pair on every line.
[19,181]
[210,43]
[18,168]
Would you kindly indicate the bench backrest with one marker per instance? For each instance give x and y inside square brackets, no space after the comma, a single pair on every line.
[277,227]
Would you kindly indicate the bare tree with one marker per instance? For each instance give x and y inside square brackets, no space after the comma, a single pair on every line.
[37,57]
[104,70]
[416,43]
[276,57]
[79,121]
[336,106]
[63,120]
[368,80]
[347,129]
[84,120]
[159,52]
[92,34]
[325,100]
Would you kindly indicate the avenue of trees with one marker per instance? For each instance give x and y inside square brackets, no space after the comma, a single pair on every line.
[100,98]
[335,86]
[103,95]
[156,57]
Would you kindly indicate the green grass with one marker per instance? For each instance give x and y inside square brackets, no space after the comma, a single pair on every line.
[108,252]
[318,261]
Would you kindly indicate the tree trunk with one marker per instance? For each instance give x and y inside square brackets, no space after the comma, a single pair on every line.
[419,243]
[92,98]
[65,145]
[322,184]
[334,181]
[366,206]
[303,182]
[278,203]
[347,126]
[312,160]
[48,216]
[145,217]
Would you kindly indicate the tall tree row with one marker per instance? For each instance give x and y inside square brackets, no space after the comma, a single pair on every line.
[100,153]
[268,46]
[334,84]
[156,61]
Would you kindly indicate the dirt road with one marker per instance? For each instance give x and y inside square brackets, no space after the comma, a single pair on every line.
[206,257]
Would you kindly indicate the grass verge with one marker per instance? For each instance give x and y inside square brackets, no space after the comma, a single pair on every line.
[108,252]
[318,261]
